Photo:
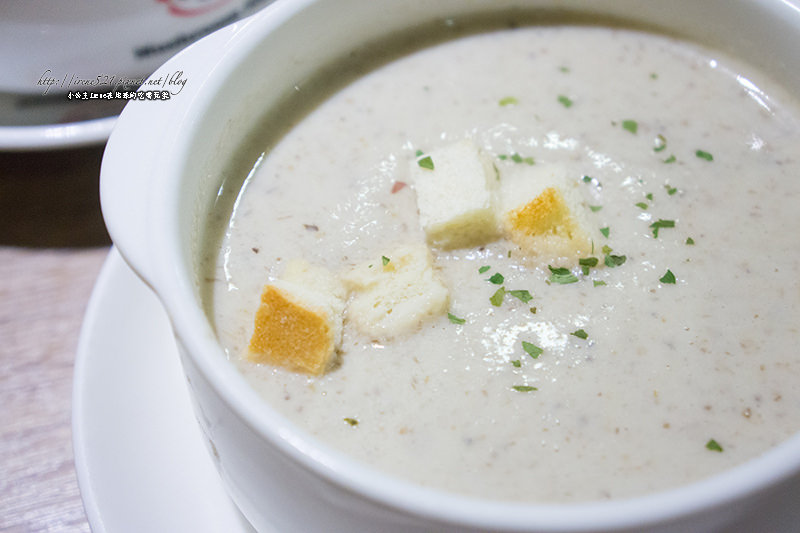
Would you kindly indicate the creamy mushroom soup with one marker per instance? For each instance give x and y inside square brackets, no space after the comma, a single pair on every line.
[666,354]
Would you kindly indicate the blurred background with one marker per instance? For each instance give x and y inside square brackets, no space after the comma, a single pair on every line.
[53,245]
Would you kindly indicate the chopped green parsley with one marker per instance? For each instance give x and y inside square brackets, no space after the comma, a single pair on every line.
[521,294]
[630,125]
[598,283]
[351,421]
[660,143]
[671,190]
[385,260]
[516,158]
[661,223]
[565,101]
[689,240]
[517,363]
[586,263]
[704,155]
[561,275]
[426,162]
[497,297]
[670,159]
[713,445]
[497,278]
[614,260]
[668,277]
[531,349]
[483,269]
[456,320]
[524,388]
[595,208]
[605,231]
[641,205]
[508,100]
[580,333]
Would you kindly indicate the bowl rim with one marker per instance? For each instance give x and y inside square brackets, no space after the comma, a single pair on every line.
[178,295]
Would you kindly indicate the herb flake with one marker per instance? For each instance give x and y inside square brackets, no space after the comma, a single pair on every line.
[586,263]
[524,388]
[497,297]
[497,278]
[516,158]
[661,223]
[561,275]
[614,260]
[668,277]
[713,446]
[456,320]
[521,294]
[531,349]
[580,333]
[630,125]
[426,163]
[702,154]
[565,101]
[483,269]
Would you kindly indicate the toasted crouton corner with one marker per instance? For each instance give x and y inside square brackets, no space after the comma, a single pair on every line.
[298,324]
[548,220]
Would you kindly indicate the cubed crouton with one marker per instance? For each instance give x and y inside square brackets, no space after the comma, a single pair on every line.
[298,325]
[395,293]
[545,215]
[455,188]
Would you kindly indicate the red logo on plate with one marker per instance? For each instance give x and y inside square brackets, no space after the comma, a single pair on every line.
[192,8]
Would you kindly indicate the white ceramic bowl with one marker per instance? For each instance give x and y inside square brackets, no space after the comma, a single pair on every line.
[163,168]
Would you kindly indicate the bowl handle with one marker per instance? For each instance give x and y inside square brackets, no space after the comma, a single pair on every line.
[126,183]
[131,181]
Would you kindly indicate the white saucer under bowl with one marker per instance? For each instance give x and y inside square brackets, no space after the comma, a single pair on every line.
[139,454]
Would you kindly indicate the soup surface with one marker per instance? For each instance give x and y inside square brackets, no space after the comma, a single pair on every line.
[654,370]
